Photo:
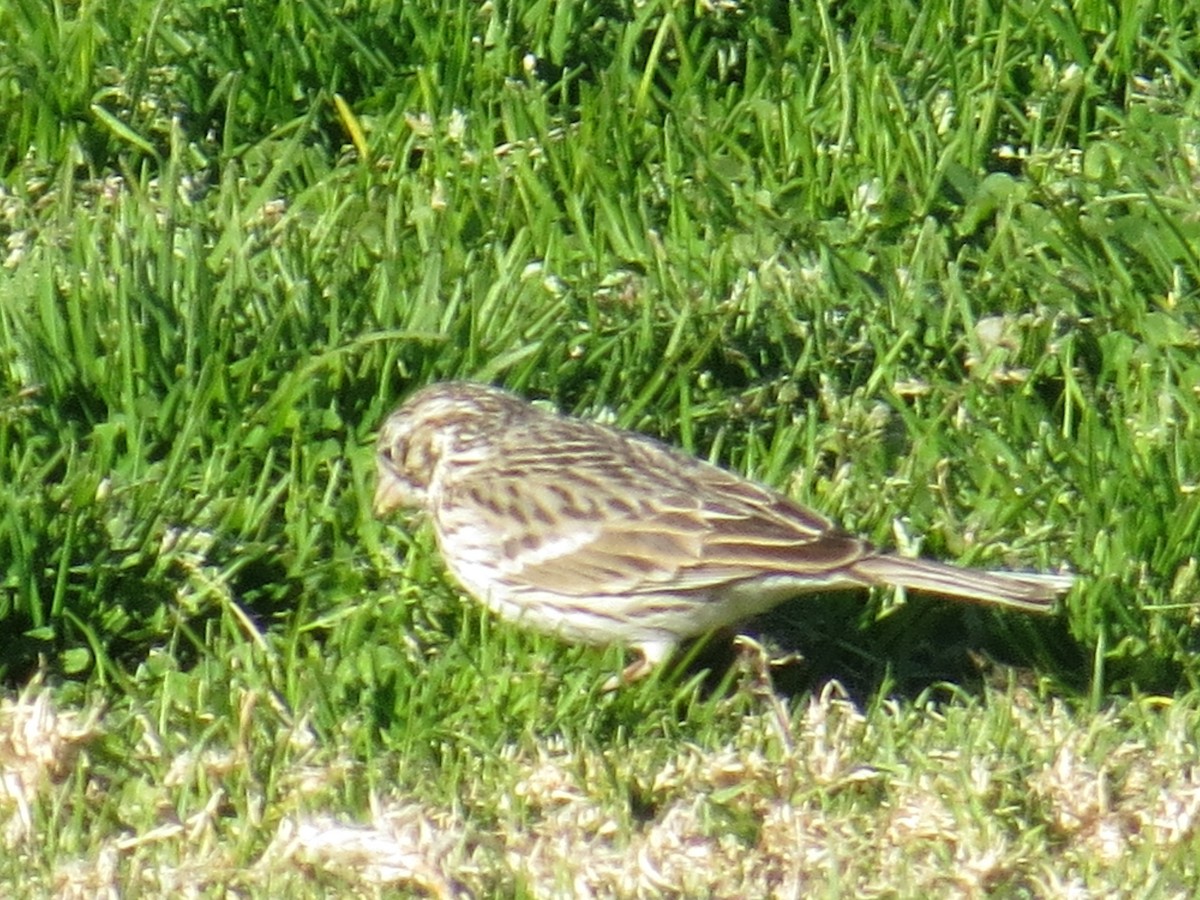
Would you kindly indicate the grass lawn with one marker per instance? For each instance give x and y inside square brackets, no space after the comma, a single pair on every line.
[931,268]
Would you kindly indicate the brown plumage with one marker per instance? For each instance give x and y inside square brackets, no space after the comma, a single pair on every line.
[604,536]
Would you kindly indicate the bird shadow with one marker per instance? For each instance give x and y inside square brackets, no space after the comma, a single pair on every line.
[923,648]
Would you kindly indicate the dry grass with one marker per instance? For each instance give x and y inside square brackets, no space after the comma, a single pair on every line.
[38,747]
[963,800]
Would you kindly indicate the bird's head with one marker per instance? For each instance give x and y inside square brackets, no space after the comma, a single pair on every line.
[449,422]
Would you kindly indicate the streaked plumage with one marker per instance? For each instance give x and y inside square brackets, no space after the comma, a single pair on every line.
[604,536]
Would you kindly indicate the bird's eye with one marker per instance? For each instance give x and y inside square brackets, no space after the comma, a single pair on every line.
[392,453]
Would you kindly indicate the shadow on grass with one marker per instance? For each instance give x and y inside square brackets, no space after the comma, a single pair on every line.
[914,650]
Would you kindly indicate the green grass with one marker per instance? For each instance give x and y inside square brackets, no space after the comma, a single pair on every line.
[931,268]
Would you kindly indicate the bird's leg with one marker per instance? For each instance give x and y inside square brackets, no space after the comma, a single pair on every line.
[757,662]
[649,656]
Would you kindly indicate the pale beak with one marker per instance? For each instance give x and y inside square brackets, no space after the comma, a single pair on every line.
[391,494]
[385,497]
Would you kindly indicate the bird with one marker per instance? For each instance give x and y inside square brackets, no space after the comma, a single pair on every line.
[603,536]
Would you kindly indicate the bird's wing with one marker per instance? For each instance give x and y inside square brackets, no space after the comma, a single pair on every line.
[636,517]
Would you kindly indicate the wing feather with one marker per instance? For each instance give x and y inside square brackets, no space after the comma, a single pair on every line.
[613,514]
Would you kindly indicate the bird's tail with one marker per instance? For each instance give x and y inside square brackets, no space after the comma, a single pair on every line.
[1030,591]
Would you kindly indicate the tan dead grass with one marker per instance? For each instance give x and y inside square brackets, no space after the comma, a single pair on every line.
[883,805]
[38,746]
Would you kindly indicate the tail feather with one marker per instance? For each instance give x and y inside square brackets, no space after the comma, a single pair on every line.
[1030,591]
